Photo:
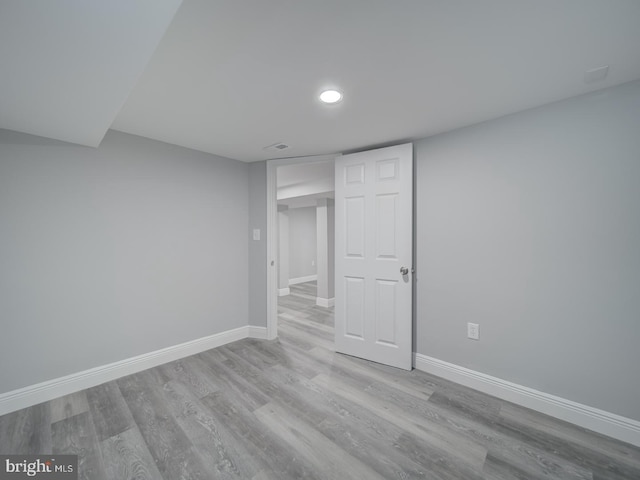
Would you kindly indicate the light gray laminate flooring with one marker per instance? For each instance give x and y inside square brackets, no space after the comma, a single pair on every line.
[292,408]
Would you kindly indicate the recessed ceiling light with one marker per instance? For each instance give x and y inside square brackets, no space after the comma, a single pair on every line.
[331,96]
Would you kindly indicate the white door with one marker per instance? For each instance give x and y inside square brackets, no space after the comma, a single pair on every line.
[374,233]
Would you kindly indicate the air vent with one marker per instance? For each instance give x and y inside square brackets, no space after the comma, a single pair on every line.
[277,146]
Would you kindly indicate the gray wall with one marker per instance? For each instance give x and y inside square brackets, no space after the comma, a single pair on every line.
[530,226]
[114,252]
[258,248]
[302,242]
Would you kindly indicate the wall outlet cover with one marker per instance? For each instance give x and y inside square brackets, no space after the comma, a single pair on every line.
[473,331]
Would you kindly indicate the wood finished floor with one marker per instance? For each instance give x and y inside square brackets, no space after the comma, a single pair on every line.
[292,408]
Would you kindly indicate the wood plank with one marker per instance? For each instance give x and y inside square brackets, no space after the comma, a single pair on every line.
[68,406]
[218,450]
[355,368]
[171,449]
[328,460]
[448,442]
[570,434]
[280,461]
[244,391]
[109,411]
[27,431]
[523,462]
[347,424]
[126,456]
[191,372]
[286,356]
[77,436]
[582,447]
[439,465]
[300,336]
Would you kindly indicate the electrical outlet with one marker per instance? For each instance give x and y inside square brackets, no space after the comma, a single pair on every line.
[313,263]
[473,331]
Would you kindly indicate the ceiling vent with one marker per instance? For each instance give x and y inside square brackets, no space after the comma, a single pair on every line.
[277,146]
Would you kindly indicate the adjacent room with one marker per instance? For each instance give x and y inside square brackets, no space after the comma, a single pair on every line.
[326,240]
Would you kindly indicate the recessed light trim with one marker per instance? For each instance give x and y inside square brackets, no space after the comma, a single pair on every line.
[331,96]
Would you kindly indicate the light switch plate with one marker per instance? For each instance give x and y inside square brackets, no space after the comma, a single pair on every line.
[473,331]
[256,234]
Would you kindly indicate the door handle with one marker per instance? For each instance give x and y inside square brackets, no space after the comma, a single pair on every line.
[404,270]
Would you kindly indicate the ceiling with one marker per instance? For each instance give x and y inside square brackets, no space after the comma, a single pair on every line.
[305,201]
[302,184]
[67,66]
[230,77]
[315,168]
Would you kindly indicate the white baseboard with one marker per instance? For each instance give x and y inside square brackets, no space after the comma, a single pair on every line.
[258,332]
[325,302]
[616,426]
[45,391]
[284,291]
[309,278]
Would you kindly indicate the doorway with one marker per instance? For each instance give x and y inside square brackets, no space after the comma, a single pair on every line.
[300,244]
[374,202]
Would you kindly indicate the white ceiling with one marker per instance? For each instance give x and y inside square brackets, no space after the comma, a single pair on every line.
[67,66]
[301,184]
[301,173]
[305,201]
[231,77]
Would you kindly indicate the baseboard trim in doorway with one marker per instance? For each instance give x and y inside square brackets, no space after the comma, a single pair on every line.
[325,302]
[601,421]
[58,387]
[282,292]
[258,332]
[309,278]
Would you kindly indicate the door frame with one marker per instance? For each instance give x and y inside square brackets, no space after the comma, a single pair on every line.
[272,233]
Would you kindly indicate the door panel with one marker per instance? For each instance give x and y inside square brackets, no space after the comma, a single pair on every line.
[354,226]
[386,312]
[374,232]
[386,226]
[354,291]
